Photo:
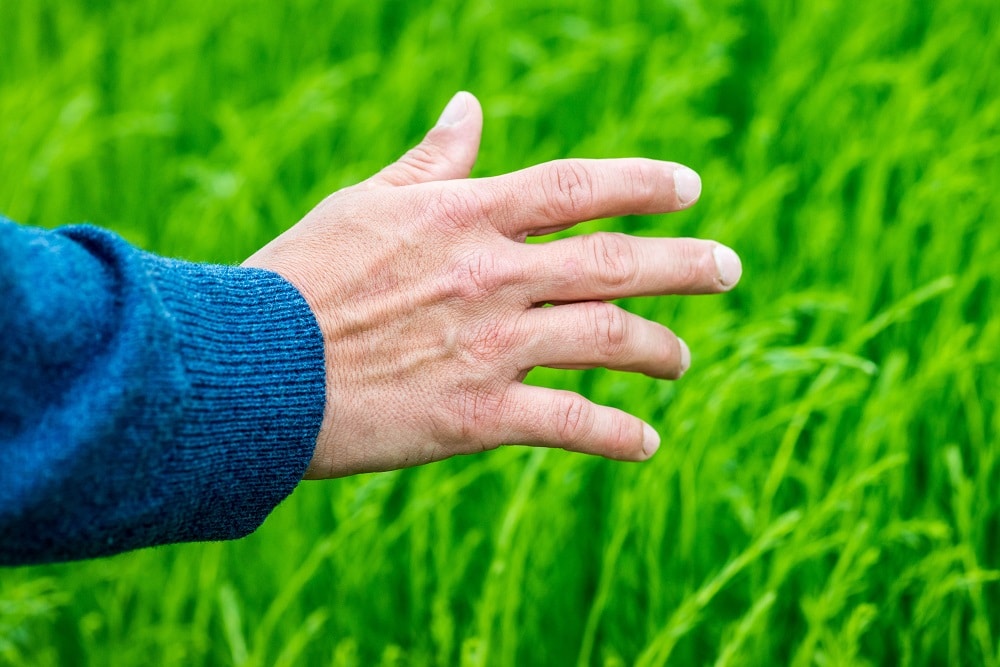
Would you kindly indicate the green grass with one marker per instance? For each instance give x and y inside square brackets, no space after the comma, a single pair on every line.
[828,492]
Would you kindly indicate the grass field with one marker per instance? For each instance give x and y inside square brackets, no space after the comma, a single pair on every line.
[828,492]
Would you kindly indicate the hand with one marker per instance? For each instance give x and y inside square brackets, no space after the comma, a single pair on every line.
[431,305]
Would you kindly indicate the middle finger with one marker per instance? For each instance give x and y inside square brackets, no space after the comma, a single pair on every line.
[611,266]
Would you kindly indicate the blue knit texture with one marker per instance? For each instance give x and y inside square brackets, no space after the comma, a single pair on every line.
[144,400]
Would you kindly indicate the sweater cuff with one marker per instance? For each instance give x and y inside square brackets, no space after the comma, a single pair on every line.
[145,400]
[252,354]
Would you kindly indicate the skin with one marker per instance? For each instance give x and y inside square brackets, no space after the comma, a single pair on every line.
[430,301]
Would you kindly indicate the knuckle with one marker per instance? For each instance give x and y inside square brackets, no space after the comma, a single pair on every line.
[452,209]
[622,437]
[479,275]
[614,259]
[489,343]
[570,190]
[573,419]
[642,188]
[609,330]
[478,410]
[695,268]
[421,159]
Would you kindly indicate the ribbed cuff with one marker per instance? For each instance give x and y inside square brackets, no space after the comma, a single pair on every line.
[147,400]
[253,356]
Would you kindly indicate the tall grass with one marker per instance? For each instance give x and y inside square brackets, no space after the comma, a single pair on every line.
[827,492]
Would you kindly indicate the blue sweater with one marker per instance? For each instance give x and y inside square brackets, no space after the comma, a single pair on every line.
[145,400]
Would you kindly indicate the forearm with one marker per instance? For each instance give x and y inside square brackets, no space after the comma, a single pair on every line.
[144,400]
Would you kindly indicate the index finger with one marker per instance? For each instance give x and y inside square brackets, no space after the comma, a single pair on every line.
[556,195]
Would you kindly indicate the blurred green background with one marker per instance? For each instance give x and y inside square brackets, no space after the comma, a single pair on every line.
[828,492]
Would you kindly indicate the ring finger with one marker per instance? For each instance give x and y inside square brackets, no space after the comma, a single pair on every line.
[611,266]
[597,334]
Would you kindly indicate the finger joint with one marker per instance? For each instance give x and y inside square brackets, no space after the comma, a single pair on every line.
[480,275]
[478,412]
[453,210]
[570,191]
[573,419]
[610,330]
[614,258]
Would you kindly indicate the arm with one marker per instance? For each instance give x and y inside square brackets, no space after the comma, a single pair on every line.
[156,401]
[145,400]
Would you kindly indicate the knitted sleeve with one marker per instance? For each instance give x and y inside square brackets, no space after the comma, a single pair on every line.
[145,400]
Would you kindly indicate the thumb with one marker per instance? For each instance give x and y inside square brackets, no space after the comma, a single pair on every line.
[448,151]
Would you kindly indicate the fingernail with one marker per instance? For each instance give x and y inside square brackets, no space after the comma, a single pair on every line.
[454,112]
[728,264]
[650,440]
[687,185]
[685,356]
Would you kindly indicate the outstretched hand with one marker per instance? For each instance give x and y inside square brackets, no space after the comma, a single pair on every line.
[430,302]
